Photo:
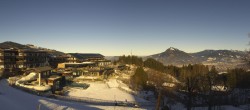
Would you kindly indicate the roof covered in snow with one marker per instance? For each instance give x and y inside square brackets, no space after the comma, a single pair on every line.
[40,69]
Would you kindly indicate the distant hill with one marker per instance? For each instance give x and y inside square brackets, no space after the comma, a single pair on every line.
[9,44]
[14,45]
[52,53]
[219,55]
[112,58]
[224,58]
[173,56]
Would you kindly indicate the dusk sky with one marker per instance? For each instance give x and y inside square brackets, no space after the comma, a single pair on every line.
[115,27]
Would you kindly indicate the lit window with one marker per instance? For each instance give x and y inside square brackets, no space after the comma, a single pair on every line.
[20,66]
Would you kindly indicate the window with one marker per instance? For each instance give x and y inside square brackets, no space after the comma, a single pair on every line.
[6,54]
[20,66]
[7,60]
[6,66]
[1,66]
[44,74]
[57,84]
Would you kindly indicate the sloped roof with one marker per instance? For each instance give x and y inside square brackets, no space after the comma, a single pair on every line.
[54,53]
[86,55]
[41,69]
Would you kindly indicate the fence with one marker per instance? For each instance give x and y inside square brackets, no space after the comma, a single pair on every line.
[86,99]
[102,102]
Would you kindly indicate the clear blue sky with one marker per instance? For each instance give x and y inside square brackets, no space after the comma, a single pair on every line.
[116,27]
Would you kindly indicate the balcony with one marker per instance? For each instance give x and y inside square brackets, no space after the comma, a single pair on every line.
[20,57]
[22,61]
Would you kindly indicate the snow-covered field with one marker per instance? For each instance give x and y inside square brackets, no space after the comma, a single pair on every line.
[105,91]
[14,99]
[179,106]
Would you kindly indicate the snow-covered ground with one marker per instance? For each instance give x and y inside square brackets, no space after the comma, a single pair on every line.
[226,107]
[113,83]
[179,106]
[14,99]
[105,91]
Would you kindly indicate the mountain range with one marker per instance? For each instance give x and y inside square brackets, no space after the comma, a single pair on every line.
[221,58]
[172,56]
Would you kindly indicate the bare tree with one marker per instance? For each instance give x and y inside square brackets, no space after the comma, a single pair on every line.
[209,80]
[249,37]
[157,78]
[247,58]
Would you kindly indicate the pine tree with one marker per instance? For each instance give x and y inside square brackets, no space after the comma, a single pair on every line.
[140,78]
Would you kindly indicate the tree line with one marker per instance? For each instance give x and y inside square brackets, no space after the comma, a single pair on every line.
[234,78]
[197,79]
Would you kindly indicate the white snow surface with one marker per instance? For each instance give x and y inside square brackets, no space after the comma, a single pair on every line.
[113,83]
[103,91]
[225,107]
[219,88]
[179,106]
[14,99]
[31,76]
[171,48]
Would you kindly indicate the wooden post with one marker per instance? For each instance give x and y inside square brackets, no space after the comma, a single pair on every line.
[39,79]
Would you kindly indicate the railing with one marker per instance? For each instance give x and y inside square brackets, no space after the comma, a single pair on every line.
[87,99]
[102,102]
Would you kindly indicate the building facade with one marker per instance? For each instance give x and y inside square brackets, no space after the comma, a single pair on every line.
[82,57]
[21,59]
[55,60]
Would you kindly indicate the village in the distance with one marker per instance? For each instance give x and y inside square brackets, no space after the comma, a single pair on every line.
[50,79]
